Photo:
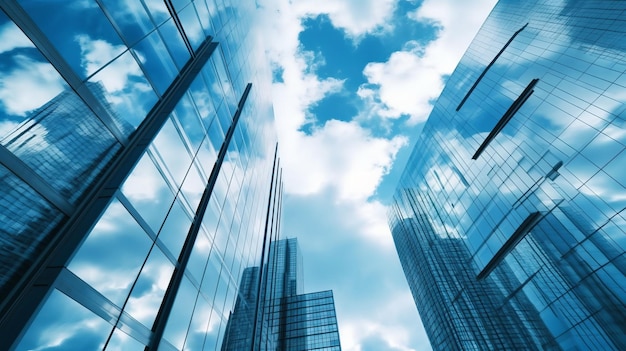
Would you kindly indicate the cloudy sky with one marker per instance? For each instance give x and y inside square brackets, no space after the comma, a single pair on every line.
[354,81]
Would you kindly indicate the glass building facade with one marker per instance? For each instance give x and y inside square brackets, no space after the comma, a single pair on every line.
[283,318]
[138,171]
[509,219]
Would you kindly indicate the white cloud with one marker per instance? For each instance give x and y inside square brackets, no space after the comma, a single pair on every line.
[404,85]
[386,330]
[11,37]
[355,17]
[39,79]
[341,155]
[412,78]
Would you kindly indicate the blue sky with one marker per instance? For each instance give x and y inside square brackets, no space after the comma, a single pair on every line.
[354,81]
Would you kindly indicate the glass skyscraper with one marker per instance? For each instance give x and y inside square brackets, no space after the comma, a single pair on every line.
[139,173]
[510,217]
[283,318]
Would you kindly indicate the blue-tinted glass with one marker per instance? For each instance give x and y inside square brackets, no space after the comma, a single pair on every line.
[557,157]
[147,294]
[174,42]
[62,323]
[158,10]
[178,322]
[199,257]
[130,17]
[126,55]
[200,322]
[203,100]
[211,276]
[23,68]
[26,219]
[204,16]
[175,229]
[123,342]
[193,187]
[173,152]
[106,265]
[191,25]
[156,62]
[65,143]
[188,119]
[146,189]
[125,88]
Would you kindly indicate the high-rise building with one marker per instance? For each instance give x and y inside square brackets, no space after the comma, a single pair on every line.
[509,219]
[138,171]
[283,318]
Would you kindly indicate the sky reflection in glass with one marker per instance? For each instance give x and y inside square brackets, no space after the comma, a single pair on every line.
[556,157]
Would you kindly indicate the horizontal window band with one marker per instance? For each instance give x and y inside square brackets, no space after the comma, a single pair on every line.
[527,225]
[506,117]
[469,92]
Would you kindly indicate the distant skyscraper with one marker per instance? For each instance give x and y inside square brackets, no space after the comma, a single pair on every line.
[139,172]
[286,319]
[509,218]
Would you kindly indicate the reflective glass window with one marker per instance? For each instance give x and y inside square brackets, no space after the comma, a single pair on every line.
[126,89]
[224,78]
[147,294]
[215,18]
[211,276]
[65,143]
[203,100]
[213,81]
[121,341]
[106,265]
[216,135]
[146,189]
[158,10]
[26,220]
[156,62]
[23,69]
[79,31]
[191,25]
[211,336]
[173,152]
[174,42]
[222,290]
[64,324]
[204,16]
[180,318]
[199,256]
[199,324]
[225,117]
[175,229]
[130,17]
[211,216]
[188,119]
[193,187]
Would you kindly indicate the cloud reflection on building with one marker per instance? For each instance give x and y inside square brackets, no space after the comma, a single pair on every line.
[140,176]
[511,207]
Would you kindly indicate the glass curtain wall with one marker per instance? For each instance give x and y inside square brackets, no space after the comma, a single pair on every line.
[137,161]
[510,212]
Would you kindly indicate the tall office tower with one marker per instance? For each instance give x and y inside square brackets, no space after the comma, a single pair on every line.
[138,171]
[509,219]
[283,318]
